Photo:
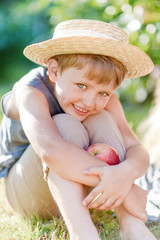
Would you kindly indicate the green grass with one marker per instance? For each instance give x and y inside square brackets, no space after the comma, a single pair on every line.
[14,227]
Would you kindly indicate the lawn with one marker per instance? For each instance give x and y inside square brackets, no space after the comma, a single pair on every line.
[14,227]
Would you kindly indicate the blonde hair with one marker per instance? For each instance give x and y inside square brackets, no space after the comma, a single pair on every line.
[102,68]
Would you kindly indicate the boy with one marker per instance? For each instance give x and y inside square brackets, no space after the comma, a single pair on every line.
[86,62]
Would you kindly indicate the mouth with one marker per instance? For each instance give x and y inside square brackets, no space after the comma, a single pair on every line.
[80,110]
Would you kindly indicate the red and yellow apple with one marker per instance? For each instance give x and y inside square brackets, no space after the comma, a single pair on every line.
[104,152]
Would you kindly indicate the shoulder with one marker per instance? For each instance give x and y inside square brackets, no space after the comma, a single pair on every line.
[33,77]
[31,86]
[20,89]
[21,97]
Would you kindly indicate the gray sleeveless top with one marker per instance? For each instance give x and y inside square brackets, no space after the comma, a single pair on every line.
[13,140]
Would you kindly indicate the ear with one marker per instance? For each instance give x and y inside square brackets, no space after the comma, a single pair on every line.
[53,69]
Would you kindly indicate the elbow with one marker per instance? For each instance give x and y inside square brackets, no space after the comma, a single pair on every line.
[45,156]
[50,155]
[145,154]
[147,158]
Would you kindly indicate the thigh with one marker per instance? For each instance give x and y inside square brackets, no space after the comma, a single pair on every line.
[102,128]
[71,129]
[26,190]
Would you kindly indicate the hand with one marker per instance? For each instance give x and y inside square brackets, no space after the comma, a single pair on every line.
[113,187]
[135,202]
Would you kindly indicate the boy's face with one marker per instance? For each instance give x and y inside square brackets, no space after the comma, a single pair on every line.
[79,96]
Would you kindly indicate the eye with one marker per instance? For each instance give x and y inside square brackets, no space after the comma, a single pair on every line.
[104,94]
[81,85]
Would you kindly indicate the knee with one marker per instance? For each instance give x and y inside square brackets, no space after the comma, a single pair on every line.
[71,129]
[98,118]
[102,128]
[101,122]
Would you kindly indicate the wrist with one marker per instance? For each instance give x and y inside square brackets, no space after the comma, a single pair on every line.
[130,171]
[137,161]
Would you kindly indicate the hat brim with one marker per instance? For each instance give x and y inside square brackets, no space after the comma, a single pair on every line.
[133,58]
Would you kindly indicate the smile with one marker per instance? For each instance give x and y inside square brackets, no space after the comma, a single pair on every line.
[80,109]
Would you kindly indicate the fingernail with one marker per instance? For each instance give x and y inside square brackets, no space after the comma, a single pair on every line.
[85,171]
[84,203]
[143,215]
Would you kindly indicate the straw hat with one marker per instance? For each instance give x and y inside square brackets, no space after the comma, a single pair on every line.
[91,37]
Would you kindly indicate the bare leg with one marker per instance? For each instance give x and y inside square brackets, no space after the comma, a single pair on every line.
[69,196]
[107,132]
[132,228]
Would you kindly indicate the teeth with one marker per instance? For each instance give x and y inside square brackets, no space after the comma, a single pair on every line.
[80,109]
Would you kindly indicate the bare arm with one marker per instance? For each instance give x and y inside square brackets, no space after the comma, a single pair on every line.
[42,133]
[63,157]
[137,156]
[68,160]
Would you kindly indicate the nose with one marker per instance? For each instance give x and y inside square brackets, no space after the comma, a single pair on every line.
[89,100]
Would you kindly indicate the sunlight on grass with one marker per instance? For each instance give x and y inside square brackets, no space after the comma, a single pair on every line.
[14,227]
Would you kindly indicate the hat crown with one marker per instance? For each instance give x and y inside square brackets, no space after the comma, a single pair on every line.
[83,36]
[89,28]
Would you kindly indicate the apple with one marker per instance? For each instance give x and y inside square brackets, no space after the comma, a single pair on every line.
[104,152]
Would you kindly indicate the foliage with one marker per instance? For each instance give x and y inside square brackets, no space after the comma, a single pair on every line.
[26,22]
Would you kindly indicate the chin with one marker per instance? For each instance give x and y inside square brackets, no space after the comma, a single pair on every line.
[80,118]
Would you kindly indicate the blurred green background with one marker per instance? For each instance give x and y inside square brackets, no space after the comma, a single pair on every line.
[30,21]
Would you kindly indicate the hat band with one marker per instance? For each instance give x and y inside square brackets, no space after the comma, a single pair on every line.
[83,33]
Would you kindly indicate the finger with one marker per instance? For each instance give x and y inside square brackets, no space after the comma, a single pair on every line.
[144,217]
[141,215]
[98,201]
[93,171]
[92,196]
[116,204]
[146,191]
[108,204]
